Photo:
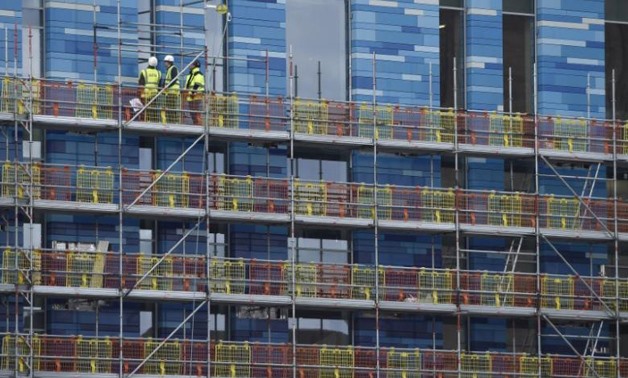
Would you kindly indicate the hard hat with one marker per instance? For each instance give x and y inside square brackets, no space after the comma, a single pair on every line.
[196,63]
[152,61]
[222,8]
[169,58]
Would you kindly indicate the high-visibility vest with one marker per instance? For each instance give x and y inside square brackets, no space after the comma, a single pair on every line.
[169,77]
[195,84]
[152,77]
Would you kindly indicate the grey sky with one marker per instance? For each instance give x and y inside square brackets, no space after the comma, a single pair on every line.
[316,31]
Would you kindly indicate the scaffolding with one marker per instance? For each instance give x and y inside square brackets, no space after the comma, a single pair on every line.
[532,220]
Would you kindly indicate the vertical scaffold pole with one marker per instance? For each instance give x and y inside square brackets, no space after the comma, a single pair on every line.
[120,201]
[293,250]
[616,226]
[376,218]
[537,229]
[457,221]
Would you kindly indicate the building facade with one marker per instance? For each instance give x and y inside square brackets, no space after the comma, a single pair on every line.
[377,188]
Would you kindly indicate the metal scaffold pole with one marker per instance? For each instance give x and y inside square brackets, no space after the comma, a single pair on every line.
[28,127]
[292,321]
[537,229]
[616,225]
[457,224]
[120,200]
[376,219]
[16,210]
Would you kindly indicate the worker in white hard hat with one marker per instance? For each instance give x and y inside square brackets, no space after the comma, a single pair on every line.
[150,78]
[171,114]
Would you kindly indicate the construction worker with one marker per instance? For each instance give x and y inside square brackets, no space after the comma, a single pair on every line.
[150,78]
[172,97]
[195,87]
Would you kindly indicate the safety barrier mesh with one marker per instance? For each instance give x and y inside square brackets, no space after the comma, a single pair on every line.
[403,364]
[171,190]
[363,282]
[505,130]
[93,355]
[529,366]
[557,292]
[305,279]
[504,209]
[339,360]
[94,185]
[497,289]
[160,278]
[16,352]
[232,360]
[166,359]
[16,265]
[438,205]
[85,270]
[366,199]
[94,101]
[571,134]
[310,117]
[435,286]
[475,365]
[223,111]
[562,213]
[24,175]
[171,106]
[16,95]
[228,277]
[383,122]
[235,194]
[310,198]
[439,126]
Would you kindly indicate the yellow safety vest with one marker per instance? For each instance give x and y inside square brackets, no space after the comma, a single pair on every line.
[169,77]
[152,77]
[195,84]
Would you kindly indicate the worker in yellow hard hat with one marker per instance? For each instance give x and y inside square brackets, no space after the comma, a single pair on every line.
[172,98]
[195,89]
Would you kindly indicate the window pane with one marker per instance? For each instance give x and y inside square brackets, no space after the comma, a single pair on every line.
[452,3]
[213,36]
[519,6]
[616,10]
[334,170]
[308,169]
[451,46]
[518,56]
[616,59]
[316,31]
[309,250]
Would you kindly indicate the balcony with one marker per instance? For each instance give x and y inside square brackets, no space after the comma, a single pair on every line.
[231,198]
[231,116]
[57,356]
[343,286]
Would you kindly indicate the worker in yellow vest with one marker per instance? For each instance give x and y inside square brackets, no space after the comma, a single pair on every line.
[150,78]
[195,88]
[172,108]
